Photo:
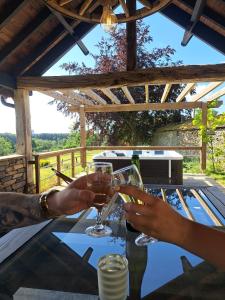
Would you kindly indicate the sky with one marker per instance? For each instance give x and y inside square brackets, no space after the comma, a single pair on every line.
[46,118]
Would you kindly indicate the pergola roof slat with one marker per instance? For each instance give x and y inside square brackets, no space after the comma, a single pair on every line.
[110,95]
[205,91]
[166,92]
[92,94]
[128,94]
[216,95]
[185,91]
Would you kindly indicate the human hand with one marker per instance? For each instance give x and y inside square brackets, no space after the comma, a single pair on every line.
[77,196]
[156,218]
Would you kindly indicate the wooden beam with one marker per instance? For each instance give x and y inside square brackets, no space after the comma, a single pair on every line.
[70,29]
[139,107]
[83,135]
[146,3]
[77,96]
[92,94]
[205,91]
[62,97]
[131,38]
[216,95]
[197,11]
[12,8]
[128,94]
[23,130]
[84,6]
[25,34]
[110,95]
[166,92]
[164,75]
[146,93]
[203,157]
[64,2]
[185,91]
[125,8]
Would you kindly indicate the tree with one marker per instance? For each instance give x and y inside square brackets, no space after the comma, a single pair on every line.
[207,133]
[128,127]
[6,147]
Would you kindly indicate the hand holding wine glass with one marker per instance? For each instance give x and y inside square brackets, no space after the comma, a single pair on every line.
[99,180]
[130,176]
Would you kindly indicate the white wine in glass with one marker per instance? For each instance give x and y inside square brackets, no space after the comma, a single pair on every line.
[99,183]
[131,176]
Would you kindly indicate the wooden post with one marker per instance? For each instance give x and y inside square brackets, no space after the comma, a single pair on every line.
[37,173]
[82,136]
[58,167]
[204,144]
[72,165]
[23,131]
[131,38]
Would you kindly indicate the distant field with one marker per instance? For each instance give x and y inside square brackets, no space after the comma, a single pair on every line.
[49,179]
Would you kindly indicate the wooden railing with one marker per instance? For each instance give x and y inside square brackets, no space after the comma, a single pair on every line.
[73,158]
[83,158]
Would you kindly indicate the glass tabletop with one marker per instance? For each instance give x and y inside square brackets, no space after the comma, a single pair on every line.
[61,260]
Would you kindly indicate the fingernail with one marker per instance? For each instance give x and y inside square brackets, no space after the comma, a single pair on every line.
[116,188]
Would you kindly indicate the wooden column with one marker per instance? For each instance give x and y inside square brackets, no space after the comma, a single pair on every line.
[23,131]
[83,136]
[204,144]
[131,38]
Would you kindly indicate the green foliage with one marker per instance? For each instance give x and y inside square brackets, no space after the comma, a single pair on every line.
[44,163]
[216,153]
[6,147]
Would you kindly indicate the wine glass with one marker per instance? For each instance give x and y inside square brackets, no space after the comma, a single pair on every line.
[131,176]
[99,182]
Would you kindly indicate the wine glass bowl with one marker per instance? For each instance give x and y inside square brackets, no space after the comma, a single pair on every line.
[99,180]
[131,176]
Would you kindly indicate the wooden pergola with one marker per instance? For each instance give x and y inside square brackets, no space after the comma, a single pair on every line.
[81,92]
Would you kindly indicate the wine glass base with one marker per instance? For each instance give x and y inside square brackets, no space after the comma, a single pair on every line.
[98,231]
[143,240]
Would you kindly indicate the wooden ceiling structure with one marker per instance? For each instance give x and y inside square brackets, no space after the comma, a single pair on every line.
[33,37]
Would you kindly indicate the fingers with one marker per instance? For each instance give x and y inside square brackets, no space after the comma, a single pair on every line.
[133,208]
[85,196]
[137,193]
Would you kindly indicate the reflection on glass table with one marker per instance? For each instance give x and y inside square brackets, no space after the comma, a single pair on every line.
[62,258]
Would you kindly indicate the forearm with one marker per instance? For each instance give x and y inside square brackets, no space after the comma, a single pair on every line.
[18,210]
[206,242]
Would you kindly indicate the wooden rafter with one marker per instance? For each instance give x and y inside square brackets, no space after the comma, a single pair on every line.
[216,95]
[128,94]
[146,3]
[166,92]
[205,91]
[164,75]
[140,107]
[61,97]
[110,95]
[78,97]
[185,91]
[84,6]
[92,94]
[125,8]
[63,2]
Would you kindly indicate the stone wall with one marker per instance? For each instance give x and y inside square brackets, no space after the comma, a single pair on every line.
[12,173]
[179,135]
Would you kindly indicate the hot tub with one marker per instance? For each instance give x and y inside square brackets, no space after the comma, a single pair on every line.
[156,166]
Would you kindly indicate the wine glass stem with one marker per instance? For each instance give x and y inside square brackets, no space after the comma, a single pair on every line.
[99,224]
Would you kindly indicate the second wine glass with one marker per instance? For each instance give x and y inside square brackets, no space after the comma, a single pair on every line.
[131,176]
[99,183]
